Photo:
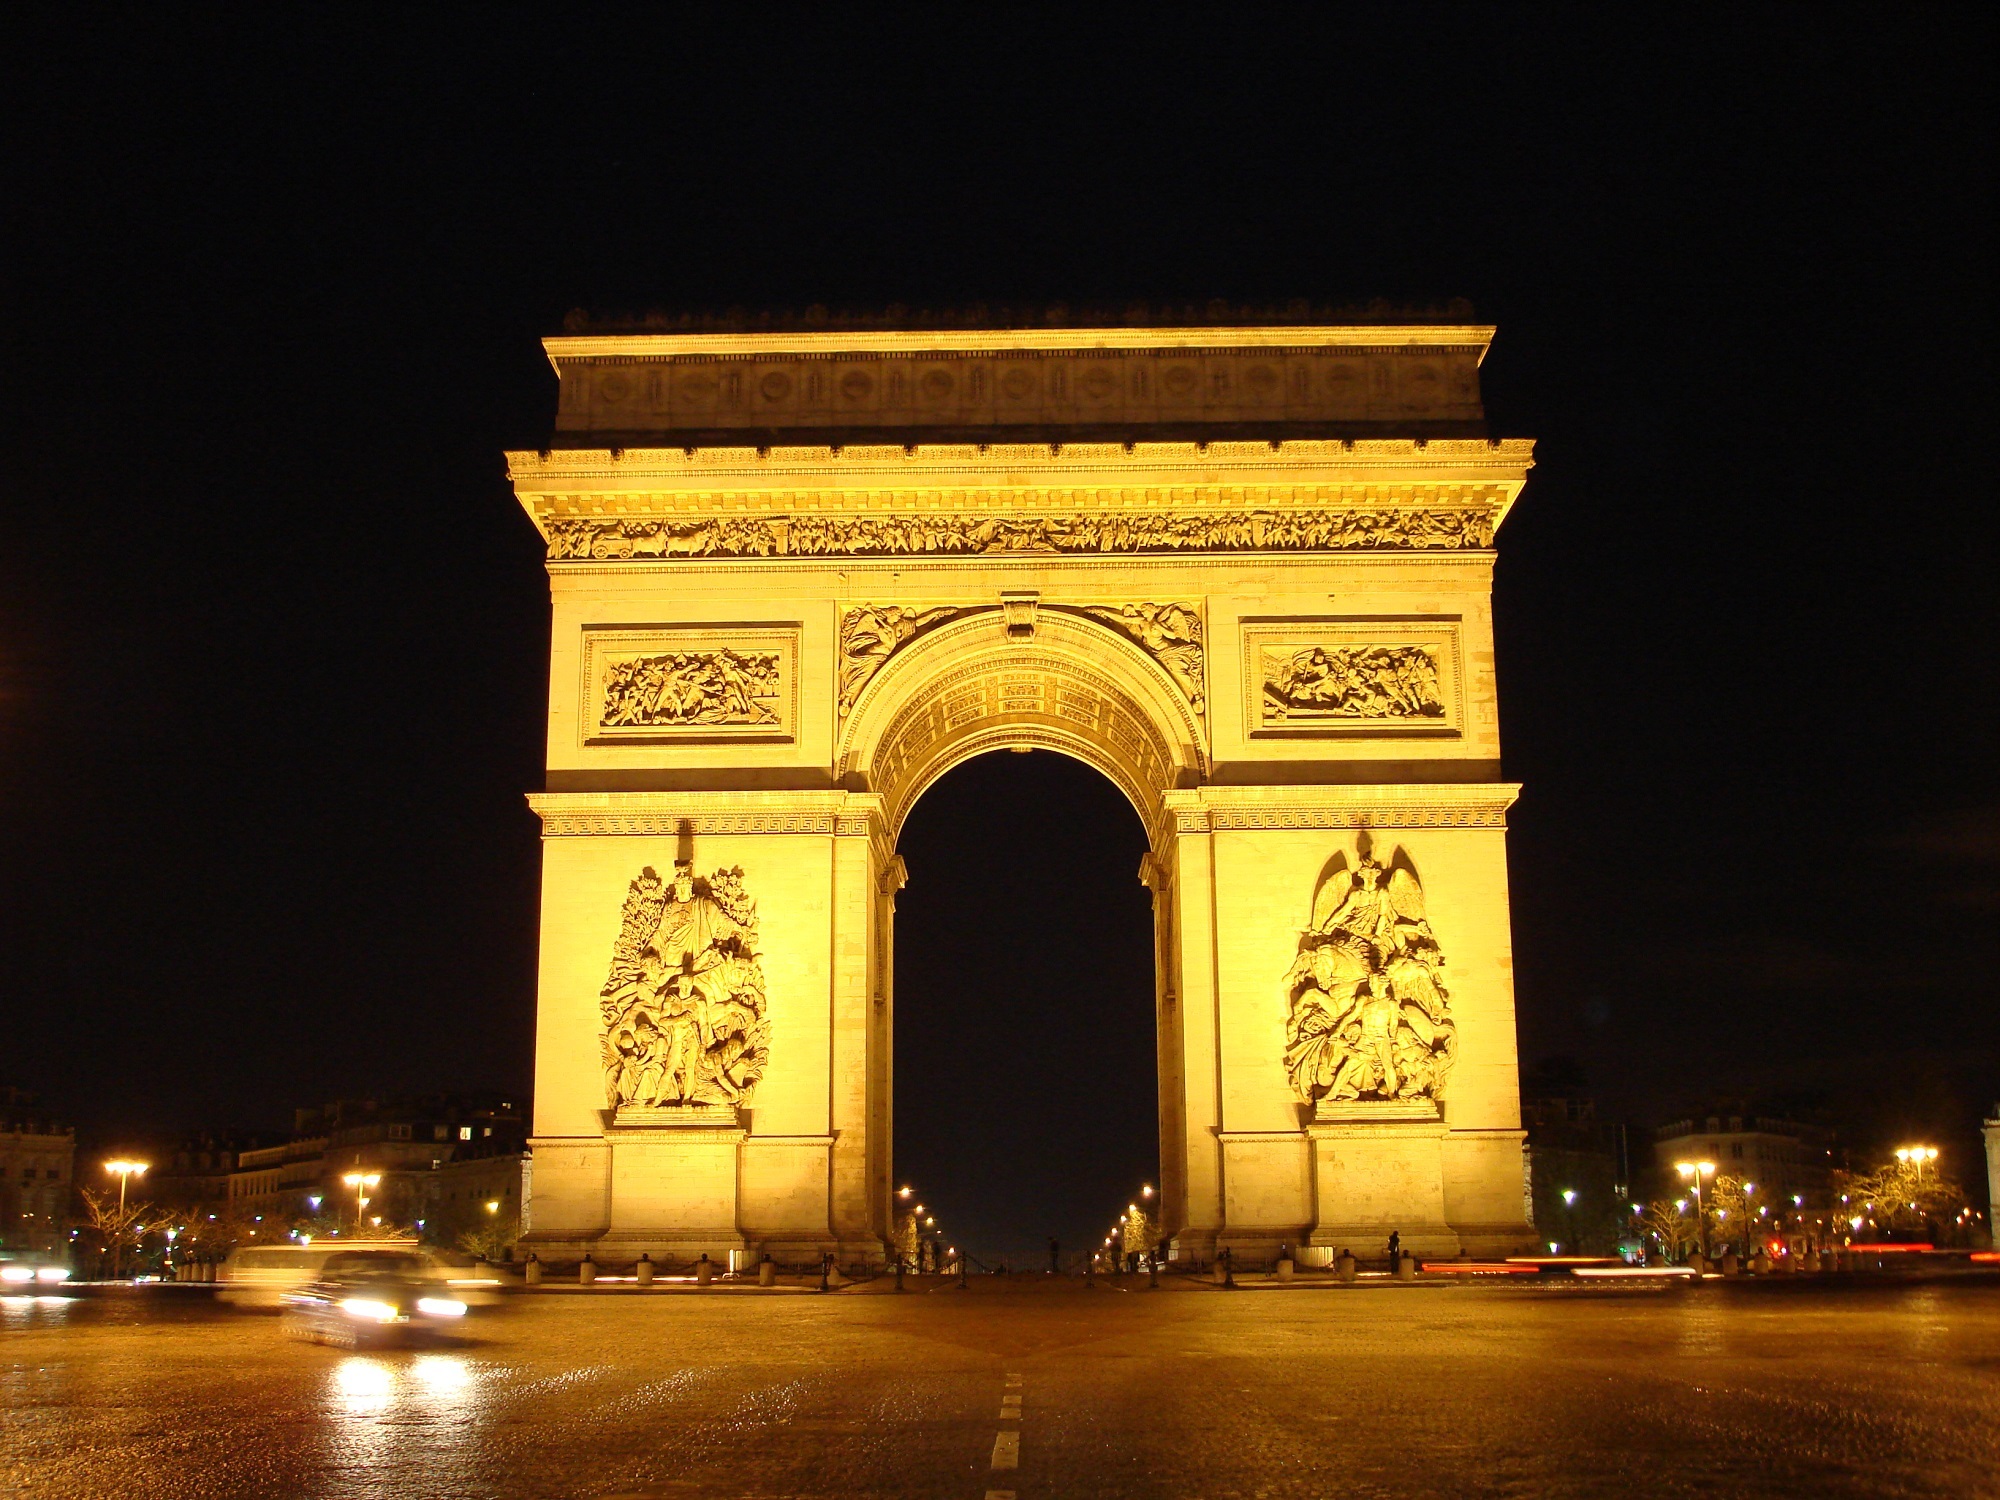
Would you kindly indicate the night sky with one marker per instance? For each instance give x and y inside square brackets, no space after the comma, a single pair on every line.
[273,631]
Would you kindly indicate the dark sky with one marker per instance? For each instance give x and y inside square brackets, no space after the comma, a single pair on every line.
[273,631]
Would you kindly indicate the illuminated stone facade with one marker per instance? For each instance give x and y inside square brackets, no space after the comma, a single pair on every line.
[1244,572]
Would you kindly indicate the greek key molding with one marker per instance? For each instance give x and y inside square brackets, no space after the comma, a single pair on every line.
[558,825]
[1225,809]
[669,814]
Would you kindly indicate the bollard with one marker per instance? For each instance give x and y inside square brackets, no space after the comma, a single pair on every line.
[531,1274]
[586,1273]
[961,1273]
[644,1270]
[1697,1265]
[899,1273]
[704,1270]
[1406,1267]
[1760,1264]
[1153,1272]
[1811,1263]
[1344,1267]
[1731,1266]
[767,1272]
[825,1270]
[1286,1268]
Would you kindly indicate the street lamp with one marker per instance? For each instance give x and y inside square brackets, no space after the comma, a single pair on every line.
[1917,1157]
[361,1182]
[1698,1170]
[126,1171]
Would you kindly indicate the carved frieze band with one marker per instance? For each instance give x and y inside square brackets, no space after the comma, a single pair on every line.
[616,538]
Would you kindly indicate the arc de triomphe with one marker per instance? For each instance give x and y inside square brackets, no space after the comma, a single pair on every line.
[1245,572]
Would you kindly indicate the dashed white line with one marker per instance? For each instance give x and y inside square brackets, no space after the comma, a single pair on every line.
[1007,1445]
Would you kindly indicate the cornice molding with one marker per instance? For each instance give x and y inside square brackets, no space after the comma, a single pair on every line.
[945,342]
[1494,459]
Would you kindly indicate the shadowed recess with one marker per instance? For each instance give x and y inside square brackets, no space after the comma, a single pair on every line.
[1026,1079]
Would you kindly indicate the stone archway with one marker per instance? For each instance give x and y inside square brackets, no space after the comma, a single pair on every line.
[1272,635]
[1050,679]
[983,679]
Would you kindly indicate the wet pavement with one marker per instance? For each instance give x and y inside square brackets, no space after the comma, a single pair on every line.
[1739,1390]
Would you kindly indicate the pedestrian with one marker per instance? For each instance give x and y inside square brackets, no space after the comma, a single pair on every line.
[1395,1248]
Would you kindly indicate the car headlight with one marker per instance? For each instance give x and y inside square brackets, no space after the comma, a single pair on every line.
[441,1307]
[368,1307]
[17,1273]
[52,1273]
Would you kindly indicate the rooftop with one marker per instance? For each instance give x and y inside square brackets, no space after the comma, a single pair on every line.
[897,317]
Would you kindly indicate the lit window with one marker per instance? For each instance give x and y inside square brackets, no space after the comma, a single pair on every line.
[465,1132]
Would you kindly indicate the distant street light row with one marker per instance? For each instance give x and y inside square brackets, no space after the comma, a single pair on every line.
[926,1223]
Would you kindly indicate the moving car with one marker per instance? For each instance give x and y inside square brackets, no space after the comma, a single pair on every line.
[369,1307]
[260,1275]
[26,1271]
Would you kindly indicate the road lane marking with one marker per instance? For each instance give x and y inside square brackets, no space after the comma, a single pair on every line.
[999,1495]
[1007,1445]
[1007,1451]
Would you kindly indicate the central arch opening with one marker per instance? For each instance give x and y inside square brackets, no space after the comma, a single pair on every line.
[1026,1048]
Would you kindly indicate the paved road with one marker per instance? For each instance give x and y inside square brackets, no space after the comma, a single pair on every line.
[1376,1391]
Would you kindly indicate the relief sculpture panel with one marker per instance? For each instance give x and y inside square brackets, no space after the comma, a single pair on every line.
[1368,1018]
[1351,682]
[683,1008]
[1332,677]
[689,684]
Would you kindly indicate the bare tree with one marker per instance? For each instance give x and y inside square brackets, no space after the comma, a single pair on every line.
[114,1225]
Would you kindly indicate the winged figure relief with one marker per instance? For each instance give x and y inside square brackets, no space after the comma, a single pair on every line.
[868,636]
[1368,1016]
